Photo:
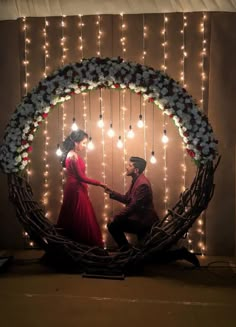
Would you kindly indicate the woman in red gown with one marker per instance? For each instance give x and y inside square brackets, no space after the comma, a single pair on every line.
[77,217]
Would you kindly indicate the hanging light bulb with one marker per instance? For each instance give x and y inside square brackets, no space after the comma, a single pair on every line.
[130,133]
[164,138]
[58,152]
[119,143]
[140,121]
[74,126]
[111,131]
[100,121]
[90,144]
[153,159]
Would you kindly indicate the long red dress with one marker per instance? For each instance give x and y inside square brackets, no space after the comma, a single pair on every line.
[77,216]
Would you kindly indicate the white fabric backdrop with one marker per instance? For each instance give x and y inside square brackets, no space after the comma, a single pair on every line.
[13,9]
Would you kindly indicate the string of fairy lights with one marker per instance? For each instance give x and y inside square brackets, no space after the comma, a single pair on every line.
[101,126]
[201,219]
[126,127]
[165,138]
[143,103]
[45,196]
[62,109]
[27,42]
[121,142]
[28,242]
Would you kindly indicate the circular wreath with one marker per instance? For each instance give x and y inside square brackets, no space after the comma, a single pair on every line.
[89,74]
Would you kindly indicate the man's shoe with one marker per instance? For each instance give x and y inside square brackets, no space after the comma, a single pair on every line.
[190,257]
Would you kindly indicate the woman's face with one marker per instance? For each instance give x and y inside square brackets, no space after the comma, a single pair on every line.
[79,146]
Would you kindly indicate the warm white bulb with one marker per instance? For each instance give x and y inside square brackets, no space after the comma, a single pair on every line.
[130,133]
[111,132]
[90,145]
[153,159]
[164,138]
[100,122]
[58,152]
[140,123]
[119,143]
[74,126]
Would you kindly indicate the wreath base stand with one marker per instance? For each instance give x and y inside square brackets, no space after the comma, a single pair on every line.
[68,255]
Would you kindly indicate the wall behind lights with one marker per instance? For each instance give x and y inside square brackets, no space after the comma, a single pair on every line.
[106,162]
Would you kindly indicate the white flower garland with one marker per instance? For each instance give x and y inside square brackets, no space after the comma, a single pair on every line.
[155,86]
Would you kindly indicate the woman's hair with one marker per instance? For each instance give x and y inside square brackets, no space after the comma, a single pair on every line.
[69,143]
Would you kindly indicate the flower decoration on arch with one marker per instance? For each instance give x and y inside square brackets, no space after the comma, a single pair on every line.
[89,74]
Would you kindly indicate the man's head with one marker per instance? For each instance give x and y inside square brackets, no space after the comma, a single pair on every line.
[135,166]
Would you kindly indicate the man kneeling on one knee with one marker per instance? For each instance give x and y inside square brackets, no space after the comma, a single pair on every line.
[139,214]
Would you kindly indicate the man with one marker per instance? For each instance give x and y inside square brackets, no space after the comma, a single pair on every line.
[139,214]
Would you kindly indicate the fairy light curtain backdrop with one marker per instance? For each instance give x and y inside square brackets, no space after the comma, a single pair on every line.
[120,123]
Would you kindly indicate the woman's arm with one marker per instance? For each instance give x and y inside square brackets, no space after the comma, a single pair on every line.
[79,173]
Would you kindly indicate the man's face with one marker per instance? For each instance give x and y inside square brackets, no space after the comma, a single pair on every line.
[130,169]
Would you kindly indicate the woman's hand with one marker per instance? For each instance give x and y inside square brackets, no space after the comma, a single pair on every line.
[103,185]
[108,190]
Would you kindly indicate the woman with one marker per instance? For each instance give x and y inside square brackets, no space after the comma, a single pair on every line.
[77,217]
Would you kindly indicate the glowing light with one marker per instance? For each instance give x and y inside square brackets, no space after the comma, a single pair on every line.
[119,143]
[111,131]
[153,159]
[164,138]
[90,145]
[130,133]
[100,122]
[74,126]
[58,152]
[140,123]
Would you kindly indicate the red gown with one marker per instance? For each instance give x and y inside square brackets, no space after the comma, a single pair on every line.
[77,216]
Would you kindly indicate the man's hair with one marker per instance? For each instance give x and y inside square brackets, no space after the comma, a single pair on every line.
[139,163]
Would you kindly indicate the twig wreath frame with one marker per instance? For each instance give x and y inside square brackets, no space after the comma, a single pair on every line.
[87,75]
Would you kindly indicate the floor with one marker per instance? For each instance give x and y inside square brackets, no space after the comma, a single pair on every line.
[32,295]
